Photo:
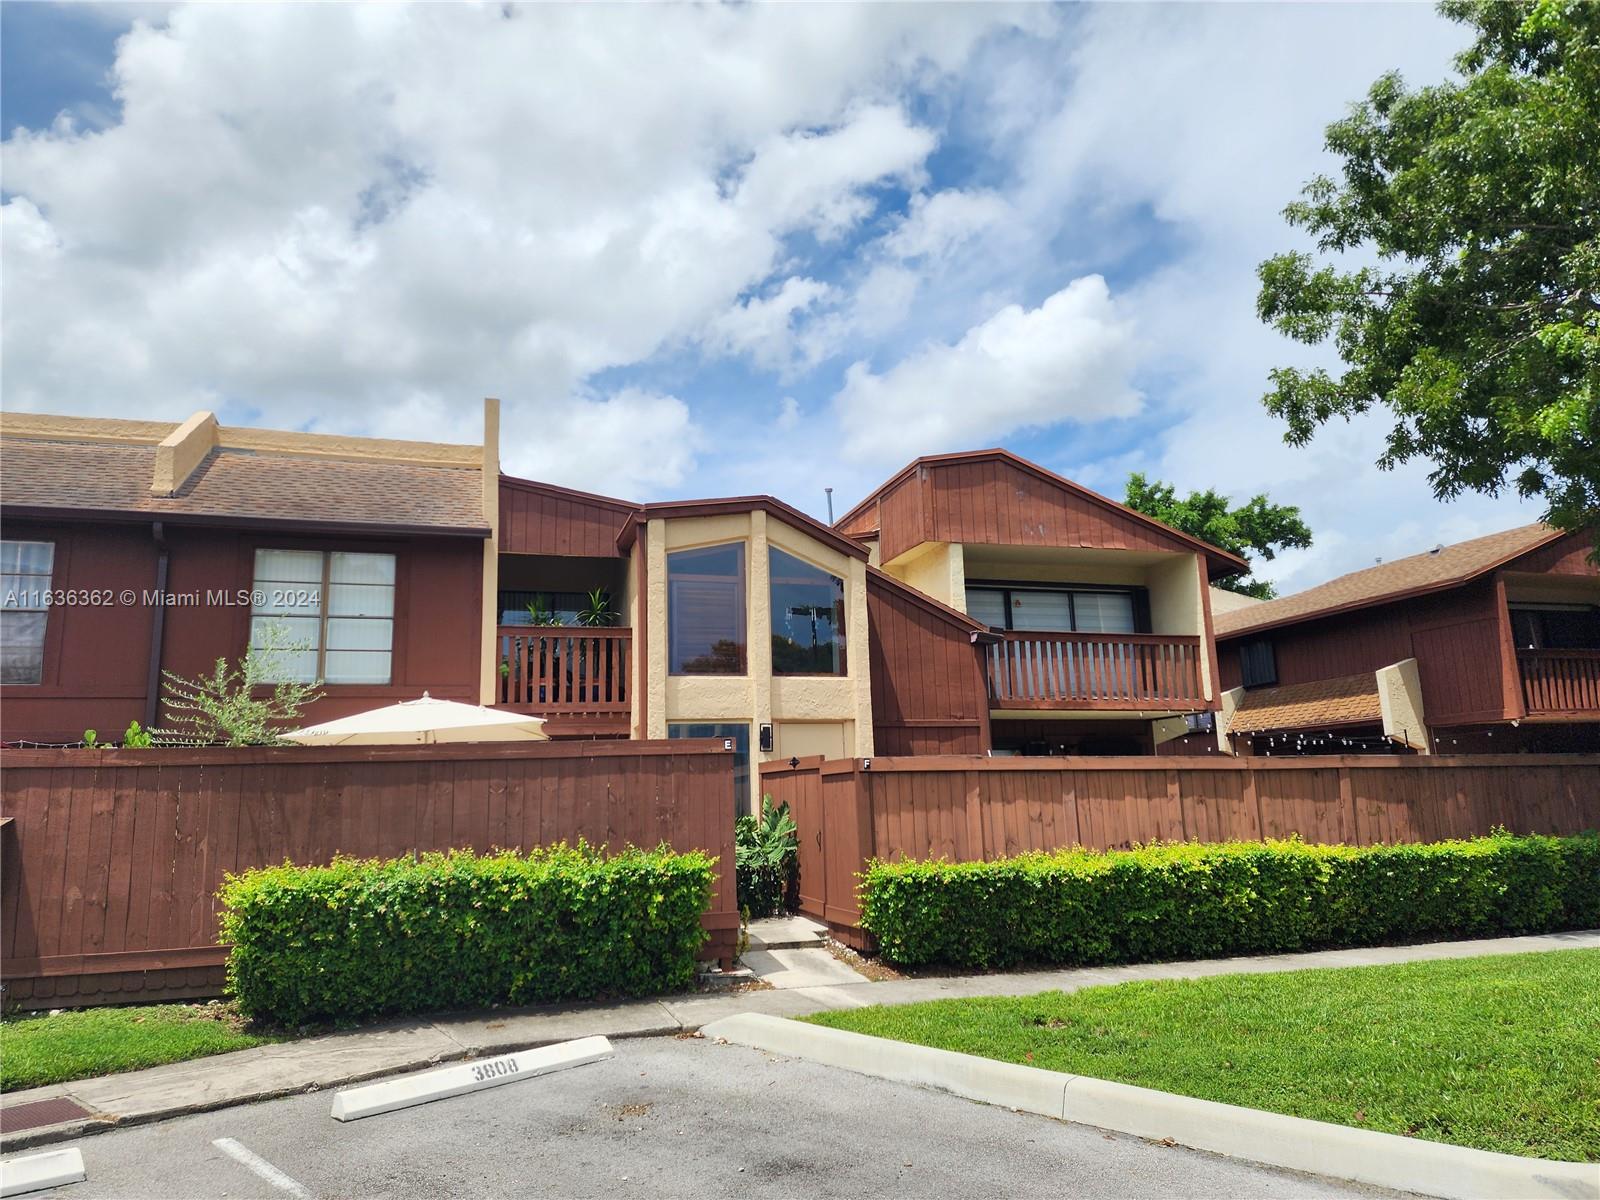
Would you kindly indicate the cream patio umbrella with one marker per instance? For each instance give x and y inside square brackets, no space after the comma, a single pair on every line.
[418,722]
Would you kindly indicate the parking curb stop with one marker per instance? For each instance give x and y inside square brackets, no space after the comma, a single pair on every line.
[36,1172]
[370,1100]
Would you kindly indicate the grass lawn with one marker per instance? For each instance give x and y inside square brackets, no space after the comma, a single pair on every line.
[1502,1053]
[99,1041]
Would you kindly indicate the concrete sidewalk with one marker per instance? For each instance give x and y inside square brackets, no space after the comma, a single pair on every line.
[341,1058]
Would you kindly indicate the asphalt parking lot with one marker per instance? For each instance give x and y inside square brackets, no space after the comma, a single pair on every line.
[664,1117]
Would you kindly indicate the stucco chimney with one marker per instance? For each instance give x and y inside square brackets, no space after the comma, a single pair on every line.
[181,451]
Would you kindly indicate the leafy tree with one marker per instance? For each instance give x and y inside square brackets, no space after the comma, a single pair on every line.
[1258,527]
[1479,329]
[223,708]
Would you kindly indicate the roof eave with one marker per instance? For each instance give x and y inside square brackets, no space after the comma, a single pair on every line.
[133,516]
[1391,597]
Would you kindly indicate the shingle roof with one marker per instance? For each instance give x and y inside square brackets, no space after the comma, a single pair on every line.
[1447,567]
[244,485]
[1309,705]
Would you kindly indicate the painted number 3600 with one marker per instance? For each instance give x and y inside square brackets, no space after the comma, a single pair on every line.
[492,1069]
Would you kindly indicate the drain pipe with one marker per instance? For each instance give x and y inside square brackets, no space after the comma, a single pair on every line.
[158,625]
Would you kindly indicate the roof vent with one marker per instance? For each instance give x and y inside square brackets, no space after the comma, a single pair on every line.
[1437,548]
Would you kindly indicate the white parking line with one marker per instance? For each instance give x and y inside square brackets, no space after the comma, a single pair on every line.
[259,1165]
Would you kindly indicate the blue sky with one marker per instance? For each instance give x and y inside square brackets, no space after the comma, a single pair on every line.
[703,251]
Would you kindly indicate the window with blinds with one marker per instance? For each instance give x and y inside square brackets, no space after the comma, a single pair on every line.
[25,570]
[324,614]
[1054,610]
[1258,664]
[706,611]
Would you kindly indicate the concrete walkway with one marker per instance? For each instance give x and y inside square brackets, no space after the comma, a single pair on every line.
[337,1059]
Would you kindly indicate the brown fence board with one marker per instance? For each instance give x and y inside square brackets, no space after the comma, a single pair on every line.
[973,809]
[112,858]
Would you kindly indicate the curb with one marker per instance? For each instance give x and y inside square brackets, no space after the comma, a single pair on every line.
[104,1122]
[1295,1143]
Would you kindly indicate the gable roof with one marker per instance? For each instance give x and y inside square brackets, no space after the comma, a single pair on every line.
[1435,570]
[771,505]
[62,476]
[1220,561]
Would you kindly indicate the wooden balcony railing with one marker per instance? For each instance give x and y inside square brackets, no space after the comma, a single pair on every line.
[1095,670]
[1560,681]
[560,671]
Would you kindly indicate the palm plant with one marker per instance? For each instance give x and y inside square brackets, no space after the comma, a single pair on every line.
[766,855]
[597,609]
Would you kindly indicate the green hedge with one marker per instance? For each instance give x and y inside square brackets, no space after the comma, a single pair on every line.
[363,937]
[1176,901]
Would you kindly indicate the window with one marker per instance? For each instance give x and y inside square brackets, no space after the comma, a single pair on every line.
[807,617]
[25,569]
[1556,627]
[705,611]
[1258,664]
[565,608]
[1055,610]
[328,615]
[740,735]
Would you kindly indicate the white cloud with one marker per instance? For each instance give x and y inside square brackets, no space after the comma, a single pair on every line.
[1067,360]
[940,223]
[357,218]
[1190,128]
[763,326]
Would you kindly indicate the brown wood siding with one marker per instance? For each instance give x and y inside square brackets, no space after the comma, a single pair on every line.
[1567,555]
[1455,637]
[973,809]
[862,522]
[992,502]
[928,693]
[536,519]
[112,859]
[96,658]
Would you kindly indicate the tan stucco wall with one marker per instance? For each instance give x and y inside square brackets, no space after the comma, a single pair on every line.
[1400,702]
[490,642]
[842,703]
[1230,703]
[1178,606]
[935,568]
[637,616]
[801,739]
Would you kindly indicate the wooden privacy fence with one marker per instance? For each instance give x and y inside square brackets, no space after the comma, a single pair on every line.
[972,809]
[110,860]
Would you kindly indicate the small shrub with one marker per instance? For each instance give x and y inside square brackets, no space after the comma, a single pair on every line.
[360,938]
[767,856]
[1192,900]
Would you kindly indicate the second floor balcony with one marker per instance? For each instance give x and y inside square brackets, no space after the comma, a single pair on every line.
[1560,682]
[579,679]
[1133,671]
